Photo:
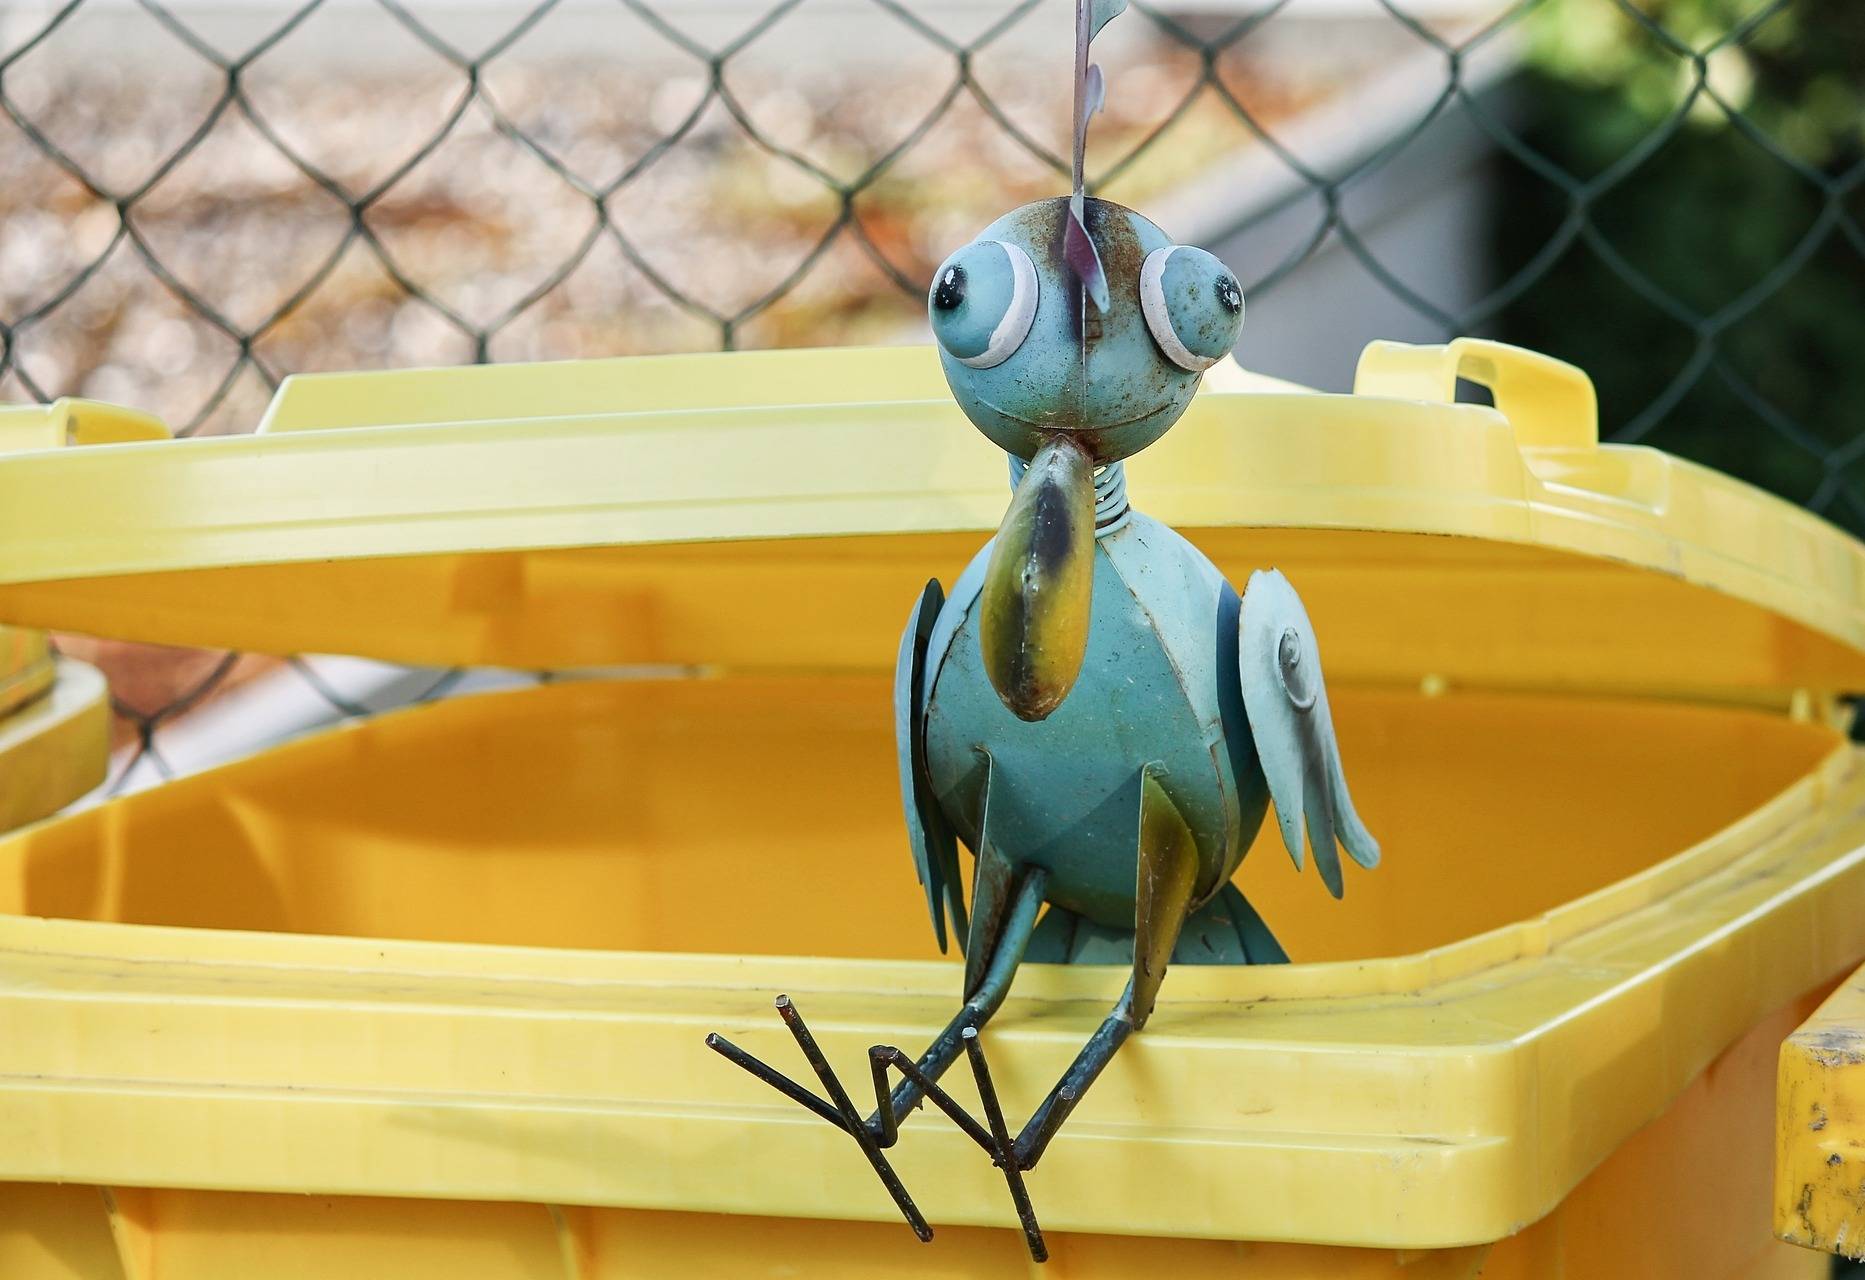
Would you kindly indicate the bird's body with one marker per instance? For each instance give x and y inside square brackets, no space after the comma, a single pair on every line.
[1158,688]
[1095,712]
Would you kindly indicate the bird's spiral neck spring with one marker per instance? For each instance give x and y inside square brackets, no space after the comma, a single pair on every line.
[1110,494]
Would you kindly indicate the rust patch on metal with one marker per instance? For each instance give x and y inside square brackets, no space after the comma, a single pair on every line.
[1110,226]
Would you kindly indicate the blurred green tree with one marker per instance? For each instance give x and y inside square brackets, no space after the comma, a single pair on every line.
[1704,163]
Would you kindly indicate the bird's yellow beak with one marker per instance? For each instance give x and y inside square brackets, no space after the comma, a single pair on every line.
[1037,587]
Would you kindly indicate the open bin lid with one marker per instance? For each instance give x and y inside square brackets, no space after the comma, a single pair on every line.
[774,510]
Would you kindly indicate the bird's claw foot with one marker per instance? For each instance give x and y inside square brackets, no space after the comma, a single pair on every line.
[1005,1156]
[993,1135]
[837,1110]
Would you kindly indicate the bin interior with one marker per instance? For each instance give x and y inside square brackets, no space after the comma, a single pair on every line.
[757,811]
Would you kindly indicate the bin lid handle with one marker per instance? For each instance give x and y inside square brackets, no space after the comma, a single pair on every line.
[70,420]
[1549,403]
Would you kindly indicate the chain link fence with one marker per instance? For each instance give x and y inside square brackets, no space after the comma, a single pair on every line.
[197,200]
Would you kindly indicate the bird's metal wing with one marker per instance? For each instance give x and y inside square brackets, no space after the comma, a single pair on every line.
[1293,729]
[935,850]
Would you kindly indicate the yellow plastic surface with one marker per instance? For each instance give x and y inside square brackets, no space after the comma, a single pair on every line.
[1819,1187]
[72,421]
[632,511]
[54,713]
[26,668]
[1625,1220]
[425,996]
[56,747]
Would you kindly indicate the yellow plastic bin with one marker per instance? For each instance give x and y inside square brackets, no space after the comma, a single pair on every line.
[424,996]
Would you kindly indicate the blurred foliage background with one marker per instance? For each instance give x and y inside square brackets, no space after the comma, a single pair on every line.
[1711,268]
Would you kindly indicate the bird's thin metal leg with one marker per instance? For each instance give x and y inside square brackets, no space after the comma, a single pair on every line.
[1018,1156]
[881,1130]
[851,1119]
[885,1055]
[1068,1091]
[1005,1156]
[1167,871]
[1018,923]
[842,1113]
[775,1079]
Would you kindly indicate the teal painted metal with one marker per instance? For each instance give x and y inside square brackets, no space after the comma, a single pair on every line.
[1063,788]
[1099,376]
[1094,711]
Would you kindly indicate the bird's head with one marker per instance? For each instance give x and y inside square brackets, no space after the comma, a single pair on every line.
[1072,342]
[1031,353]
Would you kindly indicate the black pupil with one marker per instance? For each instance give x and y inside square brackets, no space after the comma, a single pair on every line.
[951,288]
[1229,296]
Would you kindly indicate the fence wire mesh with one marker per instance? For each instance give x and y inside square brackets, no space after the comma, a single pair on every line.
[192,209]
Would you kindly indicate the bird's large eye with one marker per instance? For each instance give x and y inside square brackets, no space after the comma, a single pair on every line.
[1193,306]
[983,301]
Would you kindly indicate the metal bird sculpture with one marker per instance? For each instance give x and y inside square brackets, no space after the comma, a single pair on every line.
[1094,711]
